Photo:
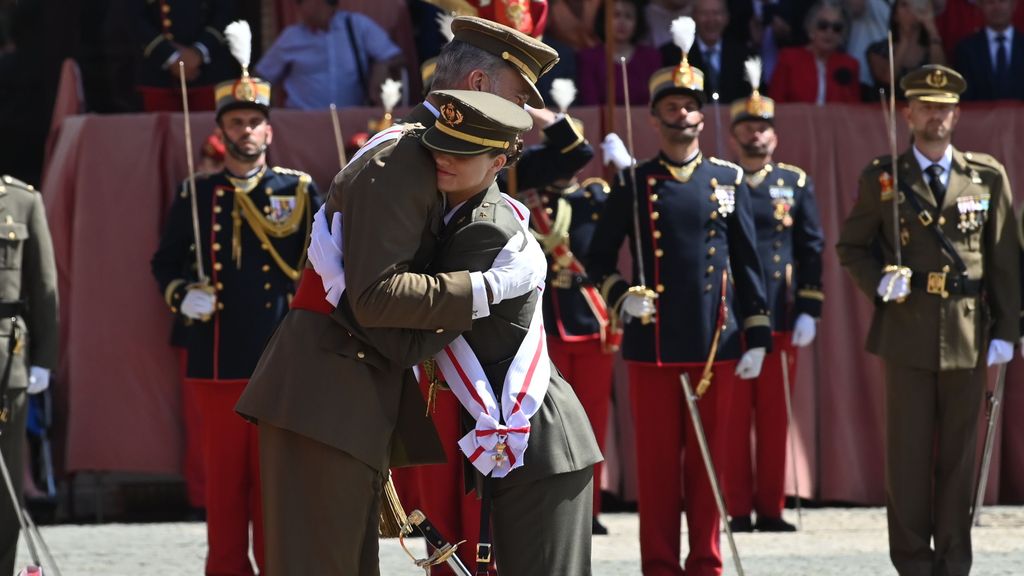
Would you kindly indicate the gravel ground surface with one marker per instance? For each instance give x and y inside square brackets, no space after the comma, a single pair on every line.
[848,542]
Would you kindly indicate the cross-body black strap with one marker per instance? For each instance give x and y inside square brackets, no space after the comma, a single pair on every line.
[932,223]
[357,54]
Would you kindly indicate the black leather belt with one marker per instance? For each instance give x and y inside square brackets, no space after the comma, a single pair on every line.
[945,284]
[11,309]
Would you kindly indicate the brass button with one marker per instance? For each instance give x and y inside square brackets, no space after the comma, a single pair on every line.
[217,209]
[654,197]
[660,288]
[712,233]
[266,268]
[595,216]
[360,354]
[220,192]
[714,215]
[651,181]
[165,8]
[586,194]
[12,235]
[270,191]
[268,305]
[266,209]
[711,268]
[659,253]
[167,22]
[776,258]
[655,215]
[713,198]
[707,287]
[216,227]
[264,246]
[174,310]
[220,305]
[779,228]
[219,285]
[942,220]
[439,331]
[191,247]
[777,244]
[711,251]
[544,199]
[266,286]
[777,275]
[549,210]
[216,246]
[169,36]
[657,233]
[218,266]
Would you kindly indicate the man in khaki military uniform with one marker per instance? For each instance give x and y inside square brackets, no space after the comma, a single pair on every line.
[940,319]
[333,412]
[28,333]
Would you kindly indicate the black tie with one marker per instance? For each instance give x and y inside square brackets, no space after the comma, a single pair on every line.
[712,69]
[935,183]
[1001,66]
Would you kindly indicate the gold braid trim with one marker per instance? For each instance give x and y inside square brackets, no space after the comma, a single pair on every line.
[264,229]
[559,228]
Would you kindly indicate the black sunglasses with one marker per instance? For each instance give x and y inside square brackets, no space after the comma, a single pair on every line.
[824,25]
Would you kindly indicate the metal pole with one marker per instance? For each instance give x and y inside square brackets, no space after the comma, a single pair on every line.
[191,177]
[338,142]
[642,289]
[995,399]
[792,439]
[691,403]
[896,244]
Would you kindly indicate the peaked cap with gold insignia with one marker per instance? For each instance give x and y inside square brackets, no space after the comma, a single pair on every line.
[472,122]
[934,83]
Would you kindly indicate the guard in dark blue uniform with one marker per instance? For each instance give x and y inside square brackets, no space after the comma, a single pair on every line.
[703,300]
[254,225]
[790,244]
[564,215]
[186,30]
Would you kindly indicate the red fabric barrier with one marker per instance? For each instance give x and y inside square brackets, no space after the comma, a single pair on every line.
[110,180]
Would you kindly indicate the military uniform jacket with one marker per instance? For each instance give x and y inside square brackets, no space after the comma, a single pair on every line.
[320,376]
[163,23]
[789,242]
[27,274]
[254,233]
[574,213]
[696,221]
[929,331]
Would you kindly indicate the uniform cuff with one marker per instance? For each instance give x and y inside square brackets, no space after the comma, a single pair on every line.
[481,307]
[758,332]
[809,301]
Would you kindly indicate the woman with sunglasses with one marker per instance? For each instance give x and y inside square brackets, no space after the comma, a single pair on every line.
[818,72]
[915,39]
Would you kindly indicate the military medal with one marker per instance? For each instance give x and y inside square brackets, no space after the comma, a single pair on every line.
[726,198]
[885,179]
[782,201]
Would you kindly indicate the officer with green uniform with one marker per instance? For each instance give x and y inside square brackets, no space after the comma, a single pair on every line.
[946,313]
[28,333]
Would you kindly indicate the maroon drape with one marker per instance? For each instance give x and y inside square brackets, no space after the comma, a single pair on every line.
[110,180]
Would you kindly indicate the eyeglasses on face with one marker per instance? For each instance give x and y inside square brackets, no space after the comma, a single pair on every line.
[825,25]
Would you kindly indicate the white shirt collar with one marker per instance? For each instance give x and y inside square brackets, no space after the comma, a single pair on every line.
[1008,33]
[705,47]
[451,213]
[946,162]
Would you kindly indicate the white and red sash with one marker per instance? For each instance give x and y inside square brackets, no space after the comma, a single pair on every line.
[497,445]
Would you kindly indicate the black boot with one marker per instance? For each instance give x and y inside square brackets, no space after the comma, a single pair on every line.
[773,525]
[598,529]
[741,524]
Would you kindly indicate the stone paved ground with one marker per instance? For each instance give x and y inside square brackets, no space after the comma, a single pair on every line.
[848,542]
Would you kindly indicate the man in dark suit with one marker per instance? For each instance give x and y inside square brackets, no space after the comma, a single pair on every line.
[720,57]
[992,59]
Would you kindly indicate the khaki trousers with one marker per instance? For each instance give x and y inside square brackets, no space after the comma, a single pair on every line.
[320,507]
[931,438]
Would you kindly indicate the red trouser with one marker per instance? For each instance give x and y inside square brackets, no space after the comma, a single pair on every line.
[762,400]
[193,467]
[660,420]
[589,370]
[232,480]
[169,99]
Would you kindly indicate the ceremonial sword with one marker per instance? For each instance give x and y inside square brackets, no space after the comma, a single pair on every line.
[792,439]
[642,290]
[995,399]
[691,403]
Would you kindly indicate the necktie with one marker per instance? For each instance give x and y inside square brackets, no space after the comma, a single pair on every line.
[712,68]
[935,183]
[1001,65]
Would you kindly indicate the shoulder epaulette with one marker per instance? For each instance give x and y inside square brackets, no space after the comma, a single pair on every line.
[15,183]
[596,180]
[801,175]
[484,212]
[982,159]
[727,164]
[290,172]
[881,162]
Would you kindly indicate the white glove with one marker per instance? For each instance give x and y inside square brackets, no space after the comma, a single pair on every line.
[517,269]
[325,254]
[614,151]
[999,352]
[899,280]
[636,306]
[804,330]
[198,303]
[750,363]
[38,379]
